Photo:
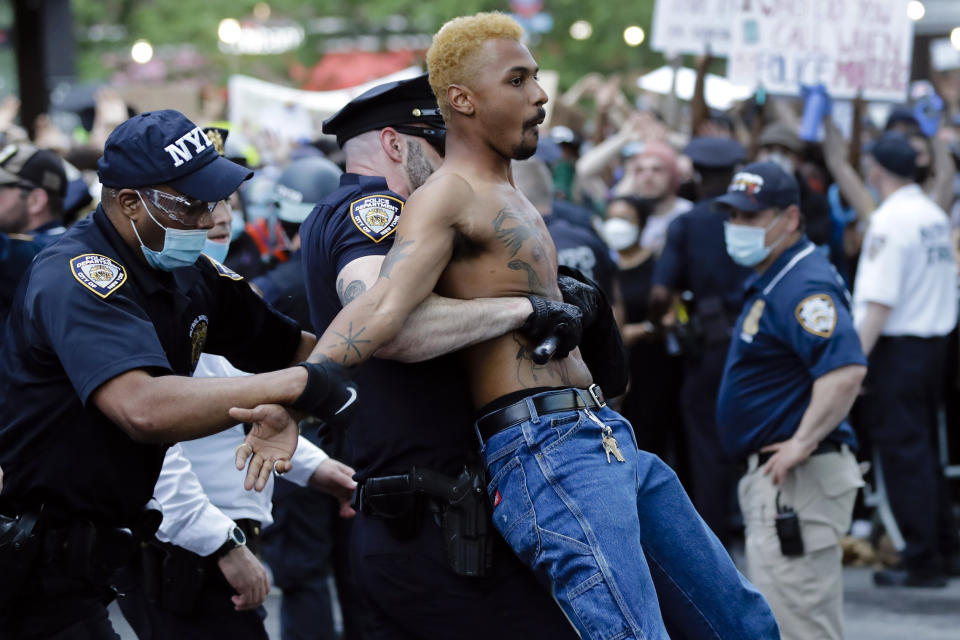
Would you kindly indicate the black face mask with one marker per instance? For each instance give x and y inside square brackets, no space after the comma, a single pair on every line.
[920,174]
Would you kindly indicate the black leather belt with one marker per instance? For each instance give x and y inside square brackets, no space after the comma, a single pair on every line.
[825,446]
[549,402]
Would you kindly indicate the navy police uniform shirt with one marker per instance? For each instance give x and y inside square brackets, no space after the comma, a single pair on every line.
[695,258]
[90,309]
[408,414]
[795,327]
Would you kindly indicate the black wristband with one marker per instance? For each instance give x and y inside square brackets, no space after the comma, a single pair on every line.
[316,390]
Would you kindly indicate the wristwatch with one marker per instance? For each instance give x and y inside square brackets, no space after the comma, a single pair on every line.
[235,538]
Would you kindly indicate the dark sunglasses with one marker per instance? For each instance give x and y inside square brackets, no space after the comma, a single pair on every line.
[436,137]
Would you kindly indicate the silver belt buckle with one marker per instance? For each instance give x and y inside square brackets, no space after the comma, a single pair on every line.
[597,395]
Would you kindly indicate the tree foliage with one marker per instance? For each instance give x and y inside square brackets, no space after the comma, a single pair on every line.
[176,22]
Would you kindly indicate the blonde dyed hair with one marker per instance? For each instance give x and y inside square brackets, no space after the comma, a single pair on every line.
[451,57]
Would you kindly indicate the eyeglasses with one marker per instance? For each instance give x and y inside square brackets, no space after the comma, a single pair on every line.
[436,137]
[178,208]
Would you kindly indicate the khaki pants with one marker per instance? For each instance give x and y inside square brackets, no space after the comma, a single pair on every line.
[805,592]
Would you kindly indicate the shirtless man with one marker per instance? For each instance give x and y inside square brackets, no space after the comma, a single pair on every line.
[591,515]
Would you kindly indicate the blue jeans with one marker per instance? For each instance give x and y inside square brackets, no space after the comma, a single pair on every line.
[619,544]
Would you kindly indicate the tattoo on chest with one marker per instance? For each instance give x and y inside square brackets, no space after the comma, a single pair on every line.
[399,252]
[513,238]
[350,292]
[533,280]
[350,341]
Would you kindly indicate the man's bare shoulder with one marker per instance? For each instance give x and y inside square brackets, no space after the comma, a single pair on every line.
[444,195]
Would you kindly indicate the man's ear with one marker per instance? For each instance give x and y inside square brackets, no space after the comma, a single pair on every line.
[128,203]
[793,218]
[461,99]
[392,144]
[37,200]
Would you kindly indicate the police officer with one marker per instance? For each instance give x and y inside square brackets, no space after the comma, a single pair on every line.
[905,305]
[694,259]
[105,330]
[792,373]
[16,253]
[577,246]
[416,415]
[33,184]
[307,538]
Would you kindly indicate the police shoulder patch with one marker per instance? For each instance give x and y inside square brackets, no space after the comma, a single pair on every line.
[225,272]
[376,216]
[100,274]
[817,314]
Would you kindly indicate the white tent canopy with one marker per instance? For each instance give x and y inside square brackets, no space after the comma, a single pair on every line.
[720,93]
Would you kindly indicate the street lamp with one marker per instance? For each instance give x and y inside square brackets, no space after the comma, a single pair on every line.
[581,30]
[229,31]
[141,52]
[633,36]
[915,10]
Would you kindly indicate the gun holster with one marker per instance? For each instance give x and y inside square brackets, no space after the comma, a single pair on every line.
[19,550]
[460,507]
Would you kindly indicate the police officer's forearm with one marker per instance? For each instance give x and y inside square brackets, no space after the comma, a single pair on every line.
[872,325]
[173,408]
[442,325]
[832,397]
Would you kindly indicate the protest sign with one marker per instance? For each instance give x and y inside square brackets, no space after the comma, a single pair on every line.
[692,26]
[849,46]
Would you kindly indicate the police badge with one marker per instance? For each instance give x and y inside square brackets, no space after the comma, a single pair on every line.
[100,274]
[376,216]
[817,315]
[198,339]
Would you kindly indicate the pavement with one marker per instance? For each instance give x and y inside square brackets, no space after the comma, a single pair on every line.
[871,613]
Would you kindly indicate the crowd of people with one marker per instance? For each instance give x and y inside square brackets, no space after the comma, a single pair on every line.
[532,378]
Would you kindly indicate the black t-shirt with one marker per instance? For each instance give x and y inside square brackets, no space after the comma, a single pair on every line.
[89,310]
[582,249]
[408,414]
[695,258]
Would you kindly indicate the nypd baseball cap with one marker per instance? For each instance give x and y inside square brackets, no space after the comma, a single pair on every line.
[164,147]
[893,152]
[760,186]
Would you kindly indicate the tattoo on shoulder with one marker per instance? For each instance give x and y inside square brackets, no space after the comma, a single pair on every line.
[350,292]
[512,237]
[399,252]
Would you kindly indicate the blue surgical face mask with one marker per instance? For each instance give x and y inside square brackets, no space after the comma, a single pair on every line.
[216,250]
[745,244]
[237,225]
[181,247]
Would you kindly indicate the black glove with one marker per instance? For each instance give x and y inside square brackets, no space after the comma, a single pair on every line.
[553,319]
[329,395]
[586,296]
[601,347]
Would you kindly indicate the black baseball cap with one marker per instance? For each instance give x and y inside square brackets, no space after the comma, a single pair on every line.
[760,186]
[164,147]
[27,166]
[715,152]
[391,104]
[893,152]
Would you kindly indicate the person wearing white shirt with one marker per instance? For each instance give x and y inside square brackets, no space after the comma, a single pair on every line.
[211,580]
[904,306]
